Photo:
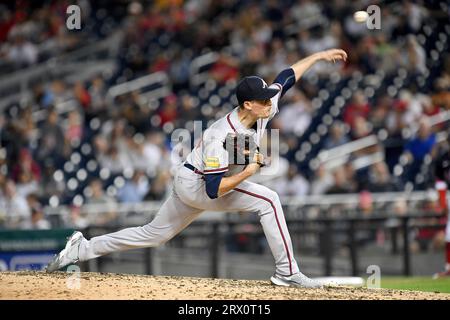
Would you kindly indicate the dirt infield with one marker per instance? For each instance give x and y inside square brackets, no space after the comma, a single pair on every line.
[40,285]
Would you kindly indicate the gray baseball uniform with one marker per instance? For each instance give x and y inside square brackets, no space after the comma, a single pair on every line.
[189,199]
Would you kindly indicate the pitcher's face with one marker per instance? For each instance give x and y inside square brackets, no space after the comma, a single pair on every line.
[261,108]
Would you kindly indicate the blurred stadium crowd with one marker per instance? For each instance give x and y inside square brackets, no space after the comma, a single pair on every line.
[394,85]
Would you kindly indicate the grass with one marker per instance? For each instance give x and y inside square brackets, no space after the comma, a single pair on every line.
[417,283]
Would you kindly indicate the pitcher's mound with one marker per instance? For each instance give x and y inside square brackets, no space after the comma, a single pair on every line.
[62,285]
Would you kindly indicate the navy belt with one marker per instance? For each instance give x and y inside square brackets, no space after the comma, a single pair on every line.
[191,167]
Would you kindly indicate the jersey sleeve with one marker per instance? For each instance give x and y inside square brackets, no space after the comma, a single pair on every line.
[286,79]
[275,99]
[212,183]
[215,157]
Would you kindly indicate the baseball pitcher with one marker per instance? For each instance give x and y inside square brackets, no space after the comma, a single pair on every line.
[214,177]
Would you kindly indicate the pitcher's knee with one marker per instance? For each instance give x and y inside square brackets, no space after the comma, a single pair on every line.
[158,241]
[270,200]
[155,236]
[272,196]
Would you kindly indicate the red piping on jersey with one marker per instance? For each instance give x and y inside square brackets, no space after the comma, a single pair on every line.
[215,170]
[197,171]
[276,217]
[229,122]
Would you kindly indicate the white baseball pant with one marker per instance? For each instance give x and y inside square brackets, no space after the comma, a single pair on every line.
[187,201]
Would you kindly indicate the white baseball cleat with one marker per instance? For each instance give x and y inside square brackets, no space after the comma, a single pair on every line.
[69,255]
[295,280]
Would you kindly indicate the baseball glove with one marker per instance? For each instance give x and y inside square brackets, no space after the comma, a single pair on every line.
[241,148]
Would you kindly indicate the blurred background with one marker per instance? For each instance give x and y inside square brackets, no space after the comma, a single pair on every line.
[86,118]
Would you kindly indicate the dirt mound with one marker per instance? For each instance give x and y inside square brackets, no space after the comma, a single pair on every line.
[61,285]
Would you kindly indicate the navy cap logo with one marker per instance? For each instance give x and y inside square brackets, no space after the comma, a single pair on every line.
[249,89]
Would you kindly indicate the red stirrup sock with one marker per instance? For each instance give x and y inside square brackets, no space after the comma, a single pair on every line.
[441,188]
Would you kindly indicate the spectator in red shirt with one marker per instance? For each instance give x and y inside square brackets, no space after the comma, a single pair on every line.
[162,63]
[82,95]
[169,112]
[26,164]
[74,127]
[6,23]
[359,107]
[225,68]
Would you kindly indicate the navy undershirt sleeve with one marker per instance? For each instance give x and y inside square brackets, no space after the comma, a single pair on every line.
[212,184]
[286,78]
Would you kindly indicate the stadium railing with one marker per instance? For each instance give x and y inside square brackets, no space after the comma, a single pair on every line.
[13,87]
[157,86]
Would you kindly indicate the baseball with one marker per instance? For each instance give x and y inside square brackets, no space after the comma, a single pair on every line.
[360,16]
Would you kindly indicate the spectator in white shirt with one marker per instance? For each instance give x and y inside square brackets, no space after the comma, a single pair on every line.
[113,160]
[22,53]
[135,189]
[323,180]
[296,116]
[37,219]
[13,206]
[292,184]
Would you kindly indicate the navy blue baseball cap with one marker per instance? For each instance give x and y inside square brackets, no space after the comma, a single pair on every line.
[254,88]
